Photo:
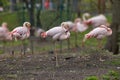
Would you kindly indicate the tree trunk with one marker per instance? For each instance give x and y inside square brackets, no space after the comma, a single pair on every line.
[13,5]
[101,6]
[112,42]
[76,7]
[31,12]
[38,20]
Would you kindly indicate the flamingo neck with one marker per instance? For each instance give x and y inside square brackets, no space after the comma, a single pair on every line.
[84,17]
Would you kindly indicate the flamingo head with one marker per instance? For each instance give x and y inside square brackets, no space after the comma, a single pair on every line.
[77,20]
[43,34]
[87,15]
[65,26]
[4,24]
[27,24]
[109,31]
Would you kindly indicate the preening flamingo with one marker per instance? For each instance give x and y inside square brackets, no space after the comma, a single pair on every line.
[4,32]
[96,21]
[21,32]
[98,33]
[57,33]
[79,26]
[68,25]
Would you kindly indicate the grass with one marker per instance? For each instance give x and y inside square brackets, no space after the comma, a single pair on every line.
[111,75]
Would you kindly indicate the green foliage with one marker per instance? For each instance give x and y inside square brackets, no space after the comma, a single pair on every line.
[1,51]
[106,77]
[92,78]
[10,18]
[112,75]
[4,2]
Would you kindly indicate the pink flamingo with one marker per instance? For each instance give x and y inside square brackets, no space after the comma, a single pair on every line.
[98,33]
[21,32]
[57,33]
[79,26]
[96,21]
[4,32]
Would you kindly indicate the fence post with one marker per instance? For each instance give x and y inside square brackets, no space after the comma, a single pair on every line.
[68,18]
[61,14]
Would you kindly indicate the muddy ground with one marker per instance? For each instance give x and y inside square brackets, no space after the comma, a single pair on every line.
[75,64]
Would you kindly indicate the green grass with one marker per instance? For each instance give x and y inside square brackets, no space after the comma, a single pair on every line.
[111,75]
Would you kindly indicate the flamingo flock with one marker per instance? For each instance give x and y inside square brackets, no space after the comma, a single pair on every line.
[62,32]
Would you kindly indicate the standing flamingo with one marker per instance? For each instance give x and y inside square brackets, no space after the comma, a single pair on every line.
[96,21]
[21,32]
[4,33]
[79,26]
[57,33]
[98,33]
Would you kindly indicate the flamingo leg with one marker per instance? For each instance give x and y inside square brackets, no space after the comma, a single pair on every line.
[32,45]
[56,56]
[3,46]
[100,46]
[76,38]
[68,42]
[24,47]
[83,42]
[60,46]
[99,43]
[12,51]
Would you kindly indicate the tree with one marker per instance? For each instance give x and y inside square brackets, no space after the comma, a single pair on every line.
[30,4]
[13,5]
[112,42]
[101,6]
[38,13]
[76,7]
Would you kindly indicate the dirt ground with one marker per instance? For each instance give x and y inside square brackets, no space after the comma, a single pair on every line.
[73,65]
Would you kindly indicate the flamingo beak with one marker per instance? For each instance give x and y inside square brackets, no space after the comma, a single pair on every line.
[43,34]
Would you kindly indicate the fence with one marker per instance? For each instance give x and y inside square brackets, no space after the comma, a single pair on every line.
[49,18]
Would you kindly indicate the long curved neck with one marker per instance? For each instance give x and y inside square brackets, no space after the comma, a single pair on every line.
[84,17]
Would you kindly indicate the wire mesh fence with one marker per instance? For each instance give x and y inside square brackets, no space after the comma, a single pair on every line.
[54,15]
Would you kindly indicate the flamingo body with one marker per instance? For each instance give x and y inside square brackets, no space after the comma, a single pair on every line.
[21,32]
[81,27]
[4,32]
[55,30]
[99,32]
[97,21]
